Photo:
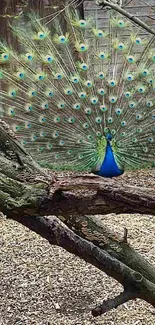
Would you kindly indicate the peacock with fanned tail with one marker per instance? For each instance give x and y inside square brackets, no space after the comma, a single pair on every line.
[79,98]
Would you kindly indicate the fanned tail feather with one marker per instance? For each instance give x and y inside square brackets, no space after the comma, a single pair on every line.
[73,84]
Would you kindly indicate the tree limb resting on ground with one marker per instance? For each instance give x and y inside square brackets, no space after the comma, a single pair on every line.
[134,283]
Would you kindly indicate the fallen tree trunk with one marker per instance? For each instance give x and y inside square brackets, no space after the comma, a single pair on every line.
[64,197]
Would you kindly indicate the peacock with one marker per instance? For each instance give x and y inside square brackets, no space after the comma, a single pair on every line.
[80,98]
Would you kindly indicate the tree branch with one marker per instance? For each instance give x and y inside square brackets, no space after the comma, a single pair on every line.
[134,282]
[136,20]
[109,304]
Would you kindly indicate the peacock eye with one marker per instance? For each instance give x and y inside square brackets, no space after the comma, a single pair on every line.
[141,90]
[29,108]
[34,137]
[88,111]
[121,23]
[44,105]
[61,142]
[145,72]
[77,106]
[68,91]
[145,149]
[112,83]
[130,59]
[11,112]
[84,67]
[82,95]
[110,120]
[101,75]
[41,35]
[82,23]
[138,116]
[102,55]
[55,134]
[90,137]
[118,111]
[83,47]
[80,156]
[71,120]
[61,105]
[150,81]
[113,132]
[150,139]
[99,33]
[88,83]
[132,105]
[138,41]
[101,91]
[62,39]
[98,120]
[103,108]
[139,130]
[56,119]
[129,77]
[149,104]
[75,80]
[113,99]
[121,46]
[49,59]
[153,58]
[5,56]
[127,94]
[123,123]
[85,125]
[94,100]
[49,93]
[58,76]
[70,151]
[12,93]
[40,77]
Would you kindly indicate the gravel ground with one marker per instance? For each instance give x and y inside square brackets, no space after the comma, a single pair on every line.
[45,285]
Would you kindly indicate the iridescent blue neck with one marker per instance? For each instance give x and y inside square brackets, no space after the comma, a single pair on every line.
[109,167]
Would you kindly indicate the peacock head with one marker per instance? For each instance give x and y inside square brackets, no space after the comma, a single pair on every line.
[108,137]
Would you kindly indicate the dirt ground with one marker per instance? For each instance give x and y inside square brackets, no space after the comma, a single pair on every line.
[45,285]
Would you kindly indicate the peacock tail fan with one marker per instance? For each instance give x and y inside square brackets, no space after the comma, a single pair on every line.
[70,92]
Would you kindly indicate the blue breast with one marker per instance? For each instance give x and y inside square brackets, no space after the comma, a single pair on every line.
[109,167]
